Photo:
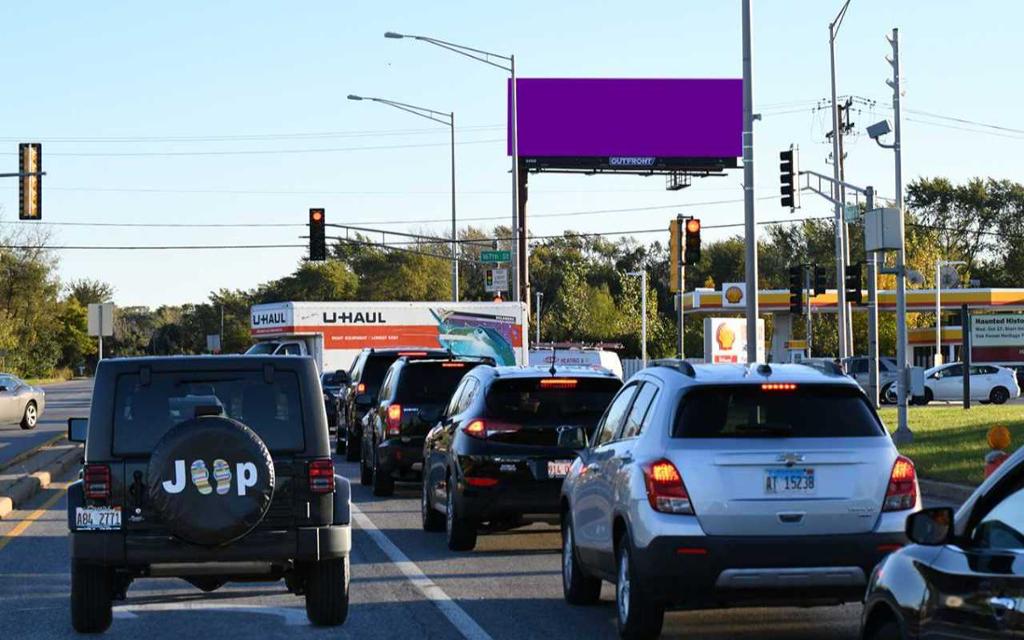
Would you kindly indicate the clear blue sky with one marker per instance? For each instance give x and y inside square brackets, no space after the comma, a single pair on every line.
[77,76]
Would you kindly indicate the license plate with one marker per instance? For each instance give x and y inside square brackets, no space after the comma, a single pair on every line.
[558,468]
[789,482]
[98,518]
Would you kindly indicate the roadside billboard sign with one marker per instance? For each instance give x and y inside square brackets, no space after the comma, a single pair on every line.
[997,338]
[633,124]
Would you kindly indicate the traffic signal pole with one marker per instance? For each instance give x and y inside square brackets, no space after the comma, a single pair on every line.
[749,223]
[682,285]
[838,195]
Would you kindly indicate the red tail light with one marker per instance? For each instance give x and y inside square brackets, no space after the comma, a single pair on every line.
[902,491]
[394,420]
[558,383]
[665,489]
[321,476]
[96,481]
[481,481]
[361,388]
[486,429]
[778,386]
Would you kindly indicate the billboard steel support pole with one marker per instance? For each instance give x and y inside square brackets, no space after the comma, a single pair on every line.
[515,265]
[750,228]
[455,228]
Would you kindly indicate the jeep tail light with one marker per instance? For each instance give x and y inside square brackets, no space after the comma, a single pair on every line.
[361,388]
[96,481]
[394,420]
[321,476]
[665,489]
[901,493]
[486,428]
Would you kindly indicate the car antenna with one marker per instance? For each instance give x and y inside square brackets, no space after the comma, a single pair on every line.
[554,358]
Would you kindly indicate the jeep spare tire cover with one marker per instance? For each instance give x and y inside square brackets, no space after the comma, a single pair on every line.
[211,480]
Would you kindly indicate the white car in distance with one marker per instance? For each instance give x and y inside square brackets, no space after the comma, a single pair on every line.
[989,383]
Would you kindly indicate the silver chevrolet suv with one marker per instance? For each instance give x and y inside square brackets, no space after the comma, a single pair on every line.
[720,485]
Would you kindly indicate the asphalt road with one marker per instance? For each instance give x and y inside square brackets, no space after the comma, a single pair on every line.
[64,400]
[405,584]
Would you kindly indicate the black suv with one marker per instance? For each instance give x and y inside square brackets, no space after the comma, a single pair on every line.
[360,392]
[211,470]
[501,448]
[409,404]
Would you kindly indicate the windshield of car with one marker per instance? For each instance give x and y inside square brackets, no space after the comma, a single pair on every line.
[425,383]
[143,413]
[551,402]
[790,411]
[1003,526]
[10,382]
[262,348]
[332,379]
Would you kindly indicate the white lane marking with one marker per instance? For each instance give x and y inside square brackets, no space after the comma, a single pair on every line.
[461,620]
[292,616]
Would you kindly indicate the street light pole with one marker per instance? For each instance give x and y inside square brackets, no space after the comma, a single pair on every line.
[749,224]
[643,313]
[903,433]
[842,310]
[445,119]
[938,359]
[520,248]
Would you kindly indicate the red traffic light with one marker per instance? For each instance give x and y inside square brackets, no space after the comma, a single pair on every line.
[693,225]
[316,215]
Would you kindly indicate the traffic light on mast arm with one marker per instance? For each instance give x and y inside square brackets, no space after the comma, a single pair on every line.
[796,290]
[317,235]
[820,280]
[789,177]
[675,253]
[853,280]
[692,241]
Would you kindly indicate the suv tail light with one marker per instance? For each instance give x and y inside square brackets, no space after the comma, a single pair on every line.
[394,420]
[96,481]
[901,493]
[321,476]
[361,388]
[665,489]
[484,428]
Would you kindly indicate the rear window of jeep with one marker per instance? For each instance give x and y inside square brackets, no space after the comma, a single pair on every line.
[143,413]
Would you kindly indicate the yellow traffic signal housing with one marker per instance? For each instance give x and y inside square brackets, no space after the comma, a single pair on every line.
[30,191]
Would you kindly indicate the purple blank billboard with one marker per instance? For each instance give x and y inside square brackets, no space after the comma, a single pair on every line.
[602,117]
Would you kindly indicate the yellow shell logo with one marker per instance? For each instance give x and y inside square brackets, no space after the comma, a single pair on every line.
[733,295]
[725,336]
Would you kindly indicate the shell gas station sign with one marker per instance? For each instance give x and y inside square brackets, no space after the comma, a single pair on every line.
[725,340]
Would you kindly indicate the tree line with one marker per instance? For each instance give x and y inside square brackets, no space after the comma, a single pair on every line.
[586,296]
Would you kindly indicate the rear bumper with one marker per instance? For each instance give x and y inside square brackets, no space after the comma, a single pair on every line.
[397,456]
[721,570]
[510,498]
[304,544]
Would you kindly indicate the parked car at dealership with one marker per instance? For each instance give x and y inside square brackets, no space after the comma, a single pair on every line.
[989,383]
[964,575]
[718,485]
[498,455]
[20,402]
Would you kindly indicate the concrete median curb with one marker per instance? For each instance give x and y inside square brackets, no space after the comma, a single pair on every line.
[29,485]
[25,455]
[946,490]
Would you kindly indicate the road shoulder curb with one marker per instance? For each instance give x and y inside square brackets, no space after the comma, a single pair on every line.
[31,484]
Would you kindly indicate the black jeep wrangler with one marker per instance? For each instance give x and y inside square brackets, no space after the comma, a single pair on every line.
[210,469]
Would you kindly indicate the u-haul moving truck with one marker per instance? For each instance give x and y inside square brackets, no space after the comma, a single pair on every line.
[335,332]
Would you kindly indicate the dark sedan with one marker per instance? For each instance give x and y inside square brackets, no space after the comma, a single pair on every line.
[497,458]
[964,576]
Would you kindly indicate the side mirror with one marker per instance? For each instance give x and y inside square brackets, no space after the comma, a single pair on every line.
[931,527]
[572,437]
[78,429]
[341,377]
[364,400]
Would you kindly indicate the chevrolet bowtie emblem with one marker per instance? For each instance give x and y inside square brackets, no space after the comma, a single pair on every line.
[790,458]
